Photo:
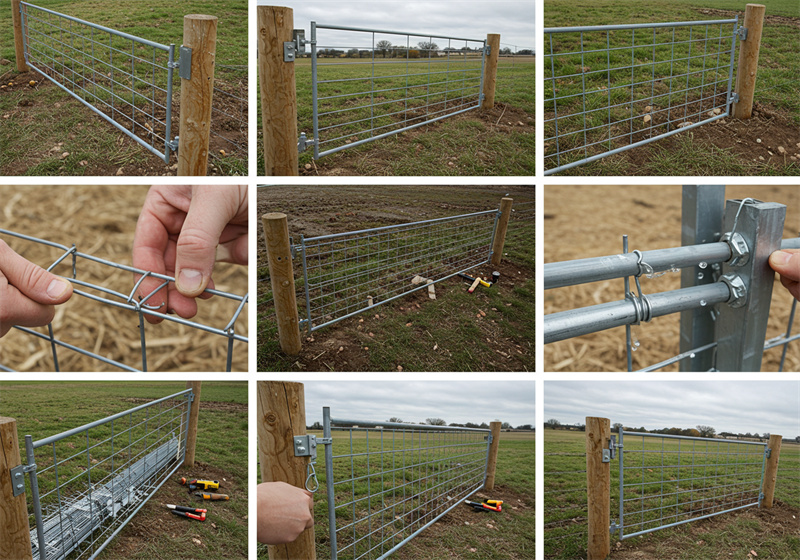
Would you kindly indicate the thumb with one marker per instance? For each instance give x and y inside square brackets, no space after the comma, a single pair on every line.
[32,280]
[209,212]
[786,263]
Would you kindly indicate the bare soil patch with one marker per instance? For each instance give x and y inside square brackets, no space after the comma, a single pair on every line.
[215,406]
[768,19]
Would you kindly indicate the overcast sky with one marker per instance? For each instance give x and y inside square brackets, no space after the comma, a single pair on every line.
[415,401]
[514,21]
[728,406]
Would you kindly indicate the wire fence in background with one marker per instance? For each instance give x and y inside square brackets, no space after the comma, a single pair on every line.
[669,480]
[347,273]
[516,67]
[128,301]
[368,84]
[126,80]
[611,88]
[88,482]
[229,109]
[521,223]
[386,482]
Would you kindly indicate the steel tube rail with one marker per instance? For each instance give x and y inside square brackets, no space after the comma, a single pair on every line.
[345,28]
[347,424]
[668,525]
[595,269]
[694,438]
[635,26]
[578,322]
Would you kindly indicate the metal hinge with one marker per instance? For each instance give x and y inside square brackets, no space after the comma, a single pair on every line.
[305,446]
[173,145]
[614,527]
[296,47]
[304,142]
[487,50]
[489,438]
[610,453]
[190,397]
[742,33]
[768,453]
[294,248]
[734,98]
[185,69]
[18,477]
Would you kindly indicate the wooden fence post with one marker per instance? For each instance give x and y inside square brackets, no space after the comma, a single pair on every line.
[15,536]
[491,463]
[500,233]
[748,60]
[490,71]
[19,41]
[200,35]
[191,426]
[279,258]
[771,470]
[598,488]
[281,416]
[278,91]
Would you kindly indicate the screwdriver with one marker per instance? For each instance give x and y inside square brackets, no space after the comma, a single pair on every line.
[209,496]
[201,517]
[187,509]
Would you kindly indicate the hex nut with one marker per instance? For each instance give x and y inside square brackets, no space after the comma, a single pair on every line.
[740,252]
[738,290]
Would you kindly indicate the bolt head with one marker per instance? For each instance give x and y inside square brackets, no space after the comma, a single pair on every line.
[740,253]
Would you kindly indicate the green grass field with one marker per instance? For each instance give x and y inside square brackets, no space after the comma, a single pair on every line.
[698,64]
[43,409]
[565,497]
[40,117]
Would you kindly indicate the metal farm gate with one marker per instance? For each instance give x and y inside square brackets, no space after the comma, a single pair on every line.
[88,482]
[347,273]
[610,88]
[390,481]
[125,79]
[366,87]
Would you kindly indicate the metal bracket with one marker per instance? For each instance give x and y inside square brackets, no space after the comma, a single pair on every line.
[610,453]
[185,63]
[304,142]
[734,97]
[614,527]
[18,477]
[296,47]
[190,397]
[740,252]
[306,446]
[173,145]
[768,453]
[489,438]
[738,290]
[487,50]
[742,33]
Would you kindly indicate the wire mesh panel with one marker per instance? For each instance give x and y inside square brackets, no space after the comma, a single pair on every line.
[386,482]
[516,67]
[126,80]
[669,480]
[351,272]
[610,88]
[369,84]
[229,108]
[89,287]
[88,482]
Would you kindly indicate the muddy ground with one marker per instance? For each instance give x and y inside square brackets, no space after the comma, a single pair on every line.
[589,221]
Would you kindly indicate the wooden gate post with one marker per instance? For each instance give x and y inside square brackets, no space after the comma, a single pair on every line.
[281,416]
[281,274]
[191,426]
[491,463]
[500,233]
[19,41]
[748,60]
[771,470]
[200,35]
[278,91]
[490,71]
[15,536]
[598,488]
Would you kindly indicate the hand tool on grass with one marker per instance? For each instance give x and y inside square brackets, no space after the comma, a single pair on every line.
[204,484]
[211,496]
[486,505]
[475,281]
[201,517]
[185,509]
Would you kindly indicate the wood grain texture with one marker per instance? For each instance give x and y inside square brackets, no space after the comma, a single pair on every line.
[491,463]
[748,61]
[598,485]
[279,259]
[278,91]
[281,416]
[502,227]
[199,34]
[15,537]
[191,428]
[19,42]
[771,470]
[490,71]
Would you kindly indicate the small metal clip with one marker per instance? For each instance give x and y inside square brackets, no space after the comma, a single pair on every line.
[742,33]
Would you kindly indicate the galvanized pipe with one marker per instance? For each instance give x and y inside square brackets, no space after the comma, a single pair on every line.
[329,481]
[402,426]
[578,322]
[635,26]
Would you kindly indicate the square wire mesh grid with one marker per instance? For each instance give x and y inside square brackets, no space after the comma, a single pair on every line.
[369,83]
[125,79]
[92,285]
[91,480]
[350,272]
[673,480]
[389,483]
[607,88]
[516,67]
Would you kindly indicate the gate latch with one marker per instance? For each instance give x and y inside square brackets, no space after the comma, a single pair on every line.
[305,446]
[610,453]
[742,33]
[296,47]
[304,142]
[18,477]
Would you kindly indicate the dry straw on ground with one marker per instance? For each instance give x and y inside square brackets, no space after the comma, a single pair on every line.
[100,221]
[589,221]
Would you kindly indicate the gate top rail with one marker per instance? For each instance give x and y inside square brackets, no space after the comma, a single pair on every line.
[365,424]
[409,33]
[636,26]
[694,438]
[100,27]
[74,431]
[397,226]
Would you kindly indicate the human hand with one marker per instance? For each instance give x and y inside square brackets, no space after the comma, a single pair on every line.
[284,511]
[28,293]
[182,231]
[787,264]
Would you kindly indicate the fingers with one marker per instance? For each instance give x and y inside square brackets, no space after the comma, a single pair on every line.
[33,281]
[787,264]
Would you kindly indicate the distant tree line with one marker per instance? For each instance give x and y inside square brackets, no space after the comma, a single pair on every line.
[441,422]
[698,431]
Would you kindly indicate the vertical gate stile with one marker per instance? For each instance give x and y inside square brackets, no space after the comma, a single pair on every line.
[168,117]
[483,73]
[621,451]
[763,471]
[30,460]
[305,284]
[314,92]
[729,99]
[326,427]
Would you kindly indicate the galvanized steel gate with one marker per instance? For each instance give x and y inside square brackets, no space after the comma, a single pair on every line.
[610,88]
[125,79]
[668,480]
[373,88]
